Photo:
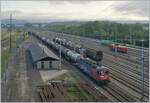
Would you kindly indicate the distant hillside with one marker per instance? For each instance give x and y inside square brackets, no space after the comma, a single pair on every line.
[133,21]
[14,21]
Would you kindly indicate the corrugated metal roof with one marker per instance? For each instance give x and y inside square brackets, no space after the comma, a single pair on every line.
[39,52]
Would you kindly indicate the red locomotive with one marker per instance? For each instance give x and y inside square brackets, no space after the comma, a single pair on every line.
[118,48]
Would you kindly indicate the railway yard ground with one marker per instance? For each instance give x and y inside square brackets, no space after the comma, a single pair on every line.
[22,83]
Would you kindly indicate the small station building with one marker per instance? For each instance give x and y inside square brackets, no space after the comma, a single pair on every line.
[42,57]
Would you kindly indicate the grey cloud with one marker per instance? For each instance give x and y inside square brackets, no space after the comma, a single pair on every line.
[140,8]
[17,12]
[70,1]
[59,2]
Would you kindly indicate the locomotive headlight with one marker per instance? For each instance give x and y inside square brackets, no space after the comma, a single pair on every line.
[102,72]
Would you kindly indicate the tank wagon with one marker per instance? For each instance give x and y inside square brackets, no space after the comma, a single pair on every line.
[87,52]
[100,74]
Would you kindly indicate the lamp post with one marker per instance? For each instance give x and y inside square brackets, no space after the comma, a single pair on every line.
[115,37]
[60,54]
[142,70]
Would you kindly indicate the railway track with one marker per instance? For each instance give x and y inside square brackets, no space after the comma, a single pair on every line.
[96,46]
[93,45]
[131,87]
[130,77]
[117,92]
[127,57]
[109,89]
[128,80]
[126,72]
[125,66]
[123,81]
[132,65]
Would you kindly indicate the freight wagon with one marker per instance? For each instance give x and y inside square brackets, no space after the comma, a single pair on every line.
[106,42]
[93,54]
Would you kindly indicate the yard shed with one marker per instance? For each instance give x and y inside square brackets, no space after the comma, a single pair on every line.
[42,57]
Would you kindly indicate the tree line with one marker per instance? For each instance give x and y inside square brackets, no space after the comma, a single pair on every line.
[128,33]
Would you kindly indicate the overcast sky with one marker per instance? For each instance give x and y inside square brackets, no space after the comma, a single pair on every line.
[76,10]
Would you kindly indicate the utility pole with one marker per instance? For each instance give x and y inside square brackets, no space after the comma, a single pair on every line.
[60,55]
[142,71]
[116,36]
[10,34]
[10,46]
[130,33]
[116,33]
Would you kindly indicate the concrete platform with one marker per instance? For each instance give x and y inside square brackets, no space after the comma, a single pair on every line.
[50,74]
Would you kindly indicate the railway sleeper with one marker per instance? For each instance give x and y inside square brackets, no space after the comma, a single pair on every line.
[130,86]
[129,76]
[131,69]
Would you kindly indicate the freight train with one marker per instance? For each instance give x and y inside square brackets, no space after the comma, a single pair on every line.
[100,74]
[87,52]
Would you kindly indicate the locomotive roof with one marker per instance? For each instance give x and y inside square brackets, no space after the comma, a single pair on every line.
[91,62]
[94,64]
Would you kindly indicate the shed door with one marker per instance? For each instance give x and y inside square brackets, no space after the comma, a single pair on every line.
[50,64]
[46,64]
[38,65]
[42,64]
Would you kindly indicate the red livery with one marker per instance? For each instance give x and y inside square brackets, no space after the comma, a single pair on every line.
[118,48]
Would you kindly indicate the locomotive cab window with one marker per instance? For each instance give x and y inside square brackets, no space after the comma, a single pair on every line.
[107,72]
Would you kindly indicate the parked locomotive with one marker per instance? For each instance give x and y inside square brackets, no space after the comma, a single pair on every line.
[118,48]
[114,47]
